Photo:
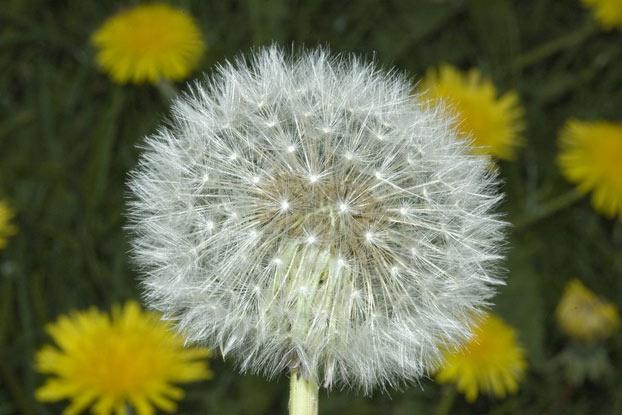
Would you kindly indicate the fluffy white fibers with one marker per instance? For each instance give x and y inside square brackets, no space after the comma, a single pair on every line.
[308,212]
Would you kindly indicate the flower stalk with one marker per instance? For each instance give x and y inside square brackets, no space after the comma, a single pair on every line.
[303,395]
[554,46]
[447,401]
[550,208]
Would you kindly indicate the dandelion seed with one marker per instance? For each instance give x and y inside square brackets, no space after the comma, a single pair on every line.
[344,300]
[284,206]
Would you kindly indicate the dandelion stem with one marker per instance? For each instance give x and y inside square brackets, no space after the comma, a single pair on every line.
[447,401]
[549,208]
[167,90]
[574,38]
[303,395]
[13,388]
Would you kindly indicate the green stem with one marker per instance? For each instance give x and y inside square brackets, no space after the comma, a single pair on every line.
[303,395]
[13,387]
[447,401]
[167,90]
[554,46]
[549,208]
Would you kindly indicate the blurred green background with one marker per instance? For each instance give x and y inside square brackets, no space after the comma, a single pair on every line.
[69,136]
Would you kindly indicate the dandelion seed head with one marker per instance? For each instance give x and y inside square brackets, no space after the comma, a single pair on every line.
[337,281]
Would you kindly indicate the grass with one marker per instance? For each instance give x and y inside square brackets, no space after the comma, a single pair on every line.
[68,137]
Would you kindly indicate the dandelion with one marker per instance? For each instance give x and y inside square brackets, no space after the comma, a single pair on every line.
[608,12]
[306,214]
[494,124]
[130,359]
[585,317]
[149,43]
[492,362]
[7,229]
[590,156]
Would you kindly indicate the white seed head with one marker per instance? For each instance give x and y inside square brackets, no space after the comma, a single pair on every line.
[309,212]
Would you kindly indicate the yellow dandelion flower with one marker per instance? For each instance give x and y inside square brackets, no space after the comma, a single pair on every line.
[608,12]
[583,316]
[149,43]
[493,123]
[591,157]
[112,363]
[7,229]
[492,362]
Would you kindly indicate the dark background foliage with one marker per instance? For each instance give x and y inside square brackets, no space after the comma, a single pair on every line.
[68,137]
